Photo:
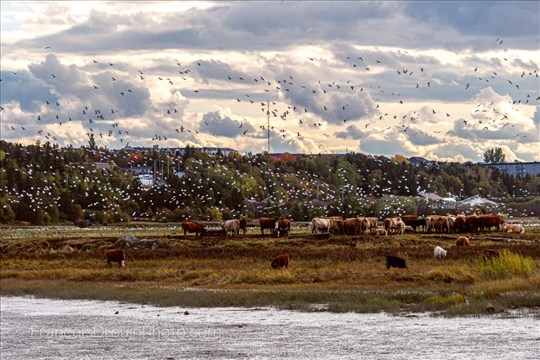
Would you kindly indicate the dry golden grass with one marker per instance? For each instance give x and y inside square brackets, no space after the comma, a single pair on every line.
[330,272]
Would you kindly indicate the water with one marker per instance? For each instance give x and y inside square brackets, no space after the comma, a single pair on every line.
[44,328]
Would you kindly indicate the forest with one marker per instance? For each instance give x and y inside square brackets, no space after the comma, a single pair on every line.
[43,184]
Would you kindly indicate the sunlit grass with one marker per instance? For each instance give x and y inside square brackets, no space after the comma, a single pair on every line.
[506,264]
[338,274]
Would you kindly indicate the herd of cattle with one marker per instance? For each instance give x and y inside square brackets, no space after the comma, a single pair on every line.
[337,225]
[434,223]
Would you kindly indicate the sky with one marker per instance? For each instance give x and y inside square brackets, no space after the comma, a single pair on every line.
[443,80]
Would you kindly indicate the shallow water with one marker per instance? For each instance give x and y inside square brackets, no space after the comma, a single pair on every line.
[44,328]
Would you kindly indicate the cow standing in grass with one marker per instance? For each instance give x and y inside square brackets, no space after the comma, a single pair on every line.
[267,223]
[439,253]
[282,225]
[192,226]
[243,225]
[232,226]
[394,261]
[320,225]
[280,261]
[463,241]
[116,255]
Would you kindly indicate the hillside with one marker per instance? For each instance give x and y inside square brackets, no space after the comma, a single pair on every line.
[46,184]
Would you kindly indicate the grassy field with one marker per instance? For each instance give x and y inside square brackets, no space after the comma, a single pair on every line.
[342,273]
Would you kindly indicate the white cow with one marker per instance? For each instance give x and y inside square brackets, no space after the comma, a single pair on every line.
[319,225]
[232,226]
[439,253]
[515,228]
[394,224]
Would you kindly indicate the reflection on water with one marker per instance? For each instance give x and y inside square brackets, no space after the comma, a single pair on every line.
[43,328]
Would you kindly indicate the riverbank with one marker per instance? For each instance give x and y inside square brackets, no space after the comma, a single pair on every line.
[339,274]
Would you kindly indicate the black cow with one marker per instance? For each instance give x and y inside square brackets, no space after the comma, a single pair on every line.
[418,223]
[394,261]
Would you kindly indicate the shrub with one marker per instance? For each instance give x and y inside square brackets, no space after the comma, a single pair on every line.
[7,215]
[506,265]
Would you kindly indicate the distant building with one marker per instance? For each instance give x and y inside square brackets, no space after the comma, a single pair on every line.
[476,200]
[516,168]
[437,201]
[140,170]
[430,196]
[418,160]
[179,151]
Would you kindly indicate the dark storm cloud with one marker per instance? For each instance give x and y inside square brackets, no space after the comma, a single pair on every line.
[495,19]
[274,25]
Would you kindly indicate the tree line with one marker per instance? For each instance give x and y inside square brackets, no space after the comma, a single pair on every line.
[47,184]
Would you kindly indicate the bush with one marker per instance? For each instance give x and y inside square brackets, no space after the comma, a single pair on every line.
[7,215]
[390,206]
[506,265]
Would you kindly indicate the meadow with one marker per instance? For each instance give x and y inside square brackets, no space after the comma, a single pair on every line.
[341,273]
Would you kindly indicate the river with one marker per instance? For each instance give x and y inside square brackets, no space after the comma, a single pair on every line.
[33,328]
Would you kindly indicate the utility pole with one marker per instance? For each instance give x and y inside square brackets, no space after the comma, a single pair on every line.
[268,122]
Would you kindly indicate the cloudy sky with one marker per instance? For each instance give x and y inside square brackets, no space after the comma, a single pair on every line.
[442,80]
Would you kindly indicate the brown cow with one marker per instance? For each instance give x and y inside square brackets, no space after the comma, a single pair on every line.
[408,219]
[440,224]
[477,223]
[193,226]
[463,241]
[335,225]
[267,223]
[351,226]
[116,255]
[374,223]
[365,224]
[282,225]
[243,225]
[459,224]
[280,261]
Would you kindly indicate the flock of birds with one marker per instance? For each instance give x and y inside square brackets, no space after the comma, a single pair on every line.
[307,104]
[310,104]
[201,180]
